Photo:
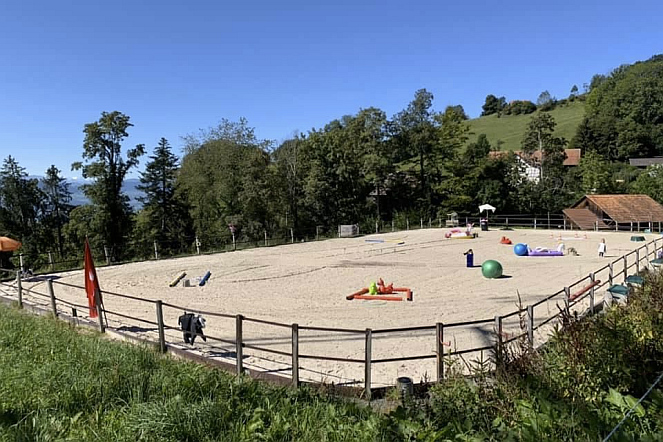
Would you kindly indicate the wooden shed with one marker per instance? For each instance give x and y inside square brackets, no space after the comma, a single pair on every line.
[615,212]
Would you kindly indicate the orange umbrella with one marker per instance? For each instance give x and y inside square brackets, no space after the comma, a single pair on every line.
[8,244]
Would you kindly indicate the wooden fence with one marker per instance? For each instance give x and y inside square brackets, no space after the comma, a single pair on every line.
[579,297]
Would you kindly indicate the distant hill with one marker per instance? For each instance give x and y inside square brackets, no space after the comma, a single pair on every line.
[78,197]
[511,128]
[129,187]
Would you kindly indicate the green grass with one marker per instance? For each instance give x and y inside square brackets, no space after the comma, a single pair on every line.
[511,128]
[58,384]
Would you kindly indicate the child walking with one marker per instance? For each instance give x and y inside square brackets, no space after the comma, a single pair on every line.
[602,248]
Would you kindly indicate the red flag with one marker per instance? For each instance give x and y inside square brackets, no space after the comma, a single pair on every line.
[91,281]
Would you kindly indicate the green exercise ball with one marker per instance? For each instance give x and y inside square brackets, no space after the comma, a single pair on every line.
[491,269]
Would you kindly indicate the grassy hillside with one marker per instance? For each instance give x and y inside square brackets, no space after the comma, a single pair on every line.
[510,128]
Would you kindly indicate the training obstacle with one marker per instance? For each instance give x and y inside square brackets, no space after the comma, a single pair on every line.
[205,278]
[177,280]
[381,241]
[382,290]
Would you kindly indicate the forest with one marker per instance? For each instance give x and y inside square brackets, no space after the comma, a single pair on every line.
[361,168]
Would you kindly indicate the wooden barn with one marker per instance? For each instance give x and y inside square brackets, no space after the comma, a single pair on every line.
[615,212]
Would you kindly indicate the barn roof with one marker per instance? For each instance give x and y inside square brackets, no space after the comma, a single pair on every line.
[626,208]
[572,156]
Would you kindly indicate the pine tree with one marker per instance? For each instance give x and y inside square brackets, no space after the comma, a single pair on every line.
[20,200]
[163,208]
[56,204]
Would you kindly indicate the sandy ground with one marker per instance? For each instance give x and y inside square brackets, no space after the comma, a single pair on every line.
[307,284]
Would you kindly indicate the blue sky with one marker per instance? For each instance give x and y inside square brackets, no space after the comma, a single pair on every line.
[175,67]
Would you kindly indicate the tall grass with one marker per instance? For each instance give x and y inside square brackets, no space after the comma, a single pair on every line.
[56,384]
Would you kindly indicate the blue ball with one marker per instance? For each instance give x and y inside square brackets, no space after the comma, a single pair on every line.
[520,249]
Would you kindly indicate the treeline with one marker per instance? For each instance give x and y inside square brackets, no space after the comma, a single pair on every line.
[360,168]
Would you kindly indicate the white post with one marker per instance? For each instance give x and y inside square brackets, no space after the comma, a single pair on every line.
[106,254]
[20,260]
[317,234]
[156,251]
[265,231]
[50,260]
[197,246]
[421,223]
[292,236]
[535,223]
[407,223]
[234,243]
[377,227]
[392,225]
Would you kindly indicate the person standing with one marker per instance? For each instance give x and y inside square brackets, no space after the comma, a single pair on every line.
[602,248]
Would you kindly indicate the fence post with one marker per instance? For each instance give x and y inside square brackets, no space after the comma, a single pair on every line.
[367,364]
[596,226]
[392,225]
[19,287]
[647,253]
[631,226]
[49,284]
[292,236]
[295,355]
[239,349]
[377,227]
[407,223]
[592,279]
[616,226]
[316,233]
[610,274]
[197,246]
[567,300]
[530,326]
[507,222]
[535,223]
[234,243]
[265,232]
[156,251]
[548,220]
[625,259]
[20,260]
[439,222]
[100,311]
[498,341]
[106,255]
[50,260]
[162,334]
[421,223]
[429,222]
[439,347]
[637,260]
[564,223]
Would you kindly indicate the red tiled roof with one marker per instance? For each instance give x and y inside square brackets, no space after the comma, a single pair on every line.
[572,155]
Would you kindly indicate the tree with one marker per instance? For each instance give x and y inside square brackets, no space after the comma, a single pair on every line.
[493,105]
[650,182]
[595,174]
[545,102]
[478,150]
[224,176]
[625,111]
[102,149]
[418,131]
[542,148]
[20,200]
[574,93]
[56,204]
[164,208]
[459,110]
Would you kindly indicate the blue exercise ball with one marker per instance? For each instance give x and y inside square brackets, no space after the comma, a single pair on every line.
[520,249]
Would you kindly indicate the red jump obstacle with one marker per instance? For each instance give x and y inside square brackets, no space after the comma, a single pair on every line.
[381,292]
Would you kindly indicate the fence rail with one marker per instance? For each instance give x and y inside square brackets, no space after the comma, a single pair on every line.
[575,295]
